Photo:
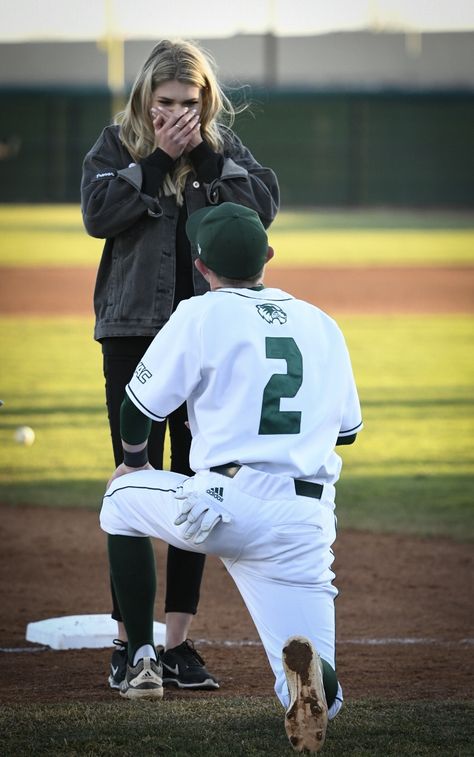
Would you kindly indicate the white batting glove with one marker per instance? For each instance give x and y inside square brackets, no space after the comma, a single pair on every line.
[197,509]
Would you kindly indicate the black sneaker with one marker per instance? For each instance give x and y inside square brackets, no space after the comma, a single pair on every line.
[118,664]
[184,667]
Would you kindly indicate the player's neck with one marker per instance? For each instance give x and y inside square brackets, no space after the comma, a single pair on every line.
[239,285]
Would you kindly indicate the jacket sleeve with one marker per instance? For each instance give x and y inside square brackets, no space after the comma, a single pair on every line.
[243,180]
[111,189]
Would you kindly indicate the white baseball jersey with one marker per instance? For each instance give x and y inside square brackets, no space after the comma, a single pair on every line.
[267,379]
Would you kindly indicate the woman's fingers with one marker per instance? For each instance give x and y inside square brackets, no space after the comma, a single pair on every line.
[173,131]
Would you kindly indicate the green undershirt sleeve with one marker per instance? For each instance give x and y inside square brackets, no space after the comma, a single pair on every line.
[135,427]
[346,439]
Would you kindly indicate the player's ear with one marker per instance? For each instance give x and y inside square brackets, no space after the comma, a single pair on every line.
[202,268]
[270,254]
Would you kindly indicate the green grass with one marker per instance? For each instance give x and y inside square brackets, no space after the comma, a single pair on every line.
[412,468]
[395,247]
[52,381]
[374,218]
[38,235]
[410,471]
[55,235]
[249,727]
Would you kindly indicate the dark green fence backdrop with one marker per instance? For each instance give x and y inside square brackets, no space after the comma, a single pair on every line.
[328,148]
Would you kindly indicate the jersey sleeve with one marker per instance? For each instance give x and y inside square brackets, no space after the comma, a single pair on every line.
[170,368]
[351,422]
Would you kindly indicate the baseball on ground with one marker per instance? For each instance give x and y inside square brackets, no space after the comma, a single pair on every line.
[25,435]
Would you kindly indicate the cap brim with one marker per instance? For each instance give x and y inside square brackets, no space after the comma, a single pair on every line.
[194,221]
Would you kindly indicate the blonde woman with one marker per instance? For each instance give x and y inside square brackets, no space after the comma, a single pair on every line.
[171,152]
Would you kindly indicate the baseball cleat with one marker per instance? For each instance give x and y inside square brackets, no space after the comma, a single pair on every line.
[306,718]
[184,667]
[118,664]
[144,681]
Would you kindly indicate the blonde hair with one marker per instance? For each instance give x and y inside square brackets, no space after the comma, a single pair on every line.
[185,62]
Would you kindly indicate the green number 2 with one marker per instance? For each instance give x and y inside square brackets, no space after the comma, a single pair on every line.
[272,419]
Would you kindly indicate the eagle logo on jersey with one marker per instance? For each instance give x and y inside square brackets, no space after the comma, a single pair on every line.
[272,313]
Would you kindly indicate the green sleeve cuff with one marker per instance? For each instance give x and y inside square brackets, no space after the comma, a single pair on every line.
[346,440]
[134,426]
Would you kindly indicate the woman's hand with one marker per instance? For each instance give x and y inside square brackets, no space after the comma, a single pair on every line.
[195,139]
[176,133]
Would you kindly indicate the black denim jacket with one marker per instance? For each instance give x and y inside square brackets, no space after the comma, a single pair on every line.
[135,282]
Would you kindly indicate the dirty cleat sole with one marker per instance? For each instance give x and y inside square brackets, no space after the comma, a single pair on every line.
[306,718]
[144,681]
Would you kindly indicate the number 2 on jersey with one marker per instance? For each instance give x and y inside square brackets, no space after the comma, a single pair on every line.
[272,419]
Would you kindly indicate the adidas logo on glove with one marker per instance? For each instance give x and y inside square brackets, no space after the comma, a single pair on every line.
[217,492]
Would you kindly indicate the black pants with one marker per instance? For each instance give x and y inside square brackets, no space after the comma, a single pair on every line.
[184,570]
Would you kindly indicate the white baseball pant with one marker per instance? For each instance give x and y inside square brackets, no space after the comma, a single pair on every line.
[276,547]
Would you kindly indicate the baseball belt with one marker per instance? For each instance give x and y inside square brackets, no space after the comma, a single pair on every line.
[302,488]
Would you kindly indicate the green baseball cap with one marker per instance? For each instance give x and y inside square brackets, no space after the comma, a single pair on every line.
[230,239]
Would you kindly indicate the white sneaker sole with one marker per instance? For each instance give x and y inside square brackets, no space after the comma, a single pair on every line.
[307,716]
[208,684]
[131,693]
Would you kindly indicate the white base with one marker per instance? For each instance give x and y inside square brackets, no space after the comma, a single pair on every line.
[81,631]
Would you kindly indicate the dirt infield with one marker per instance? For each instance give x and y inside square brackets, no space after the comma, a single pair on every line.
[397,289]
[404,622]
[401,628]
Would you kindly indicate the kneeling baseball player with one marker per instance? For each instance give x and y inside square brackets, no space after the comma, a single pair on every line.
[270,393]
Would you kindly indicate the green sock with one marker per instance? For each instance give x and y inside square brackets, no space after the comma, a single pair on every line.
[329,682]
[132,565]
